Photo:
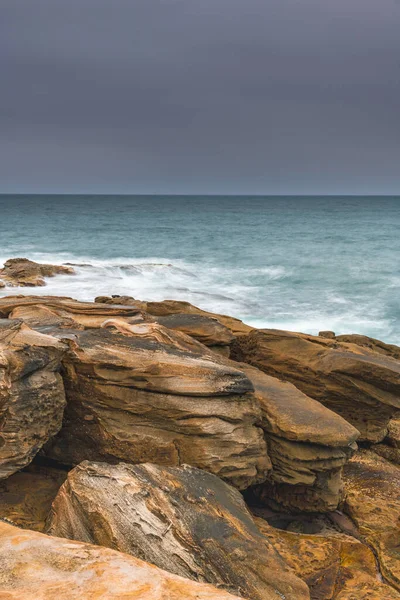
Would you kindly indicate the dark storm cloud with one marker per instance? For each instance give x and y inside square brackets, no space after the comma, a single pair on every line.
[274,96]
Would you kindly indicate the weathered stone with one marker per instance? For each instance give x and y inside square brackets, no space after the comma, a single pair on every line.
[207,330]
[357,383]
[142,400]
[308,445]
[334,565]
[372,500]
[46,311]
[183,520]
[26,497]
[329,335]
[35,566]
[32,395]
[23,272]
[372,344]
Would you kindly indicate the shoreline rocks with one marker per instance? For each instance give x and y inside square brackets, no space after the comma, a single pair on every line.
[180,519]
[22,272]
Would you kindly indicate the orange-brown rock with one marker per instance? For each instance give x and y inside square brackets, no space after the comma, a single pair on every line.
[371,343]
[181,519]
[50,311]
[26,273]
[178,307]
[372,500]
[308,445]
[134,398]
[35,566]
[26,497]
[356,382]
[334,565]
[32,395]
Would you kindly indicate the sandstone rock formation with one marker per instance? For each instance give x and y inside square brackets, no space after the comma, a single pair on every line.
[308,445]
[181,519]
[372,344]
[372,500]
[26,497]
[142,400]
[35,566]
[48,311]
[357,383]
[335,566]
[26,273]
[32,395]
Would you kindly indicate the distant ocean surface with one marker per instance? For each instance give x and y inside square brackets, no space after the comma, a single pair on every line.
[296,263]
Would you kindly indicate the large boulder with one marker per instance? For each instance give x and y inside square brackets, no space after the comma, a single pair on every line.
[372,500]
[35,566]
[148,394]
[336,566]
[181,519]
[308,445]
[26,273]
[32,397]
[361,385]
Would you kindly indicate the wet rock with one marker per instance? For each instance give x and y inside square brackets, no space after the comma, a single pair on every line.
[372,500]
[32,397]
[36,566]
[334,565]
[183,520]
[308,445]
[356,382]
[134,398]
[26,273]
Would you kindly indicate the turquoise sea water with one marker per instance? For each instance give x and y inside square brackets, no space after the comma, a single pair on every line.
[296,263]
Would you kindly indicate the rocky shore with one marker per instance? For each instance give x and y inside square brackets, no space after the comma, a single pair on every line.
[152,450]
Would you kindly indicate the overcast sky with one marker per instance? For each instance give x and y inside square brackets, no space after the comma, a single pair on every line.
[201,96]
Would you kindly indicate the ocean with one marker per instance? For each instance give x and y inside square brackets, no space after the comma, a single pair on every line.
[295,263]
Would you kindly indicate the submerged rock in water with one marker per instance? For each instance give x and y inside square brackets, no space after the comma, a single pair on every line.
[181,519]
[36,566]
[308,445]
[32,395]
[26,273]
[143,400]
[357,383]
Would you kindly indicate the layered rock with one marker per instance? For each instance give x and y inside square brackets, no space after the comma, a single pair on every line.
[35,566]
[48,311]
[356,382]
[335,566]
[308,445]
[26,273]
[32,397]
[371,343]
[26,497]
[390,448]
[372,500]
[178,307]
[181,519]
[135,398]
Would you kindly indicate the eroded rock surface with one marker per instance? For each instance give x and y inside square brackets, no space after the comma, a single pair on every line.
[334,565]
[52,311]
[26,497]
[26,273]
[371,343]
[32,397]
[137,399]
[308,445]
[372,500]
[356,382]
[35,566]
[183,520]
